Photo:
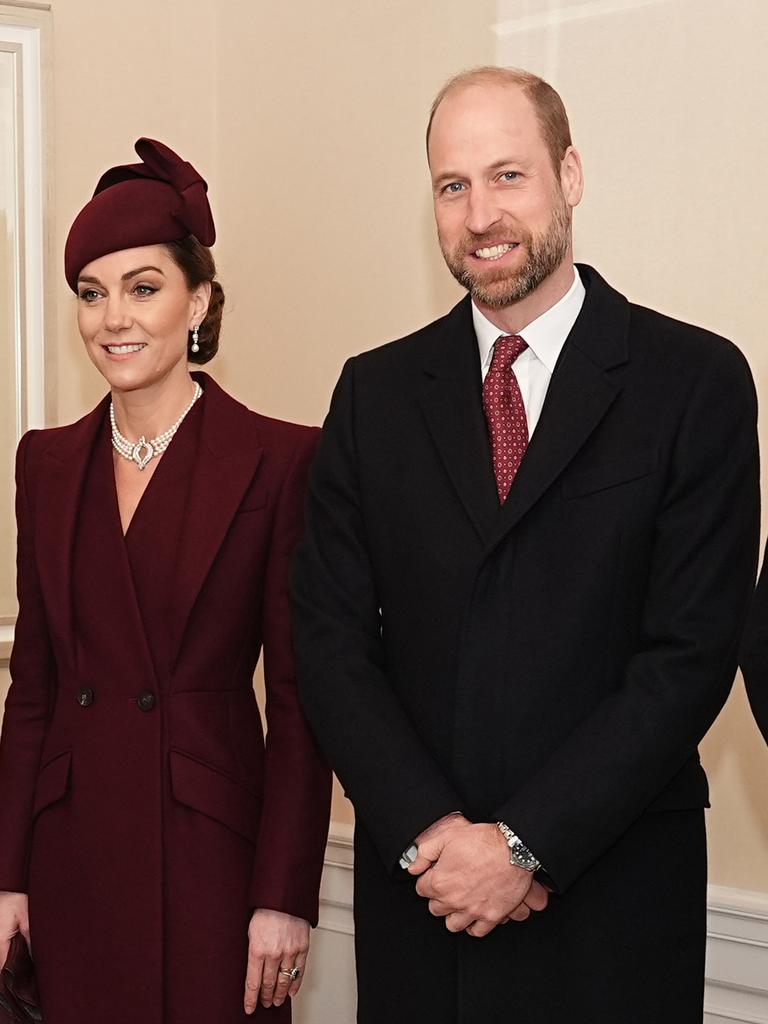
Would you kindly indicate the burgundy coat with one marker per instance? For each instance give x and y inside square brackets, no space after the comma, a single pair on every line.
[140,806]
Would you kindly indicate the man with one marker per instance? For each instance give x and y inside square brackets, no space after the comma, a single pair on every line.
[532,537]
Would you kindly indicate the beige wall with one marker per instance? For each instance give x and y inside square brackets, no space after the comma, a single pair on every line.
[121,71]
[308,122]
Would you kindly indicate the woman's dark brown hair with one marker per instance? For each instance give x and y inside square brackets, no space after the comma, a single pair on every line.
[197,264]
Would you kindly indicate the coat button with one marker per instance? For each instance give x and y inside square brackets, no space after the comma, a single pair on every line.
[146,700]
[85,697]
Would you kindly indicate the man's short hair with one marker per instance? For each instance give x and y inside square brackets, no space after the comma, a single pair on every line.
[546,101]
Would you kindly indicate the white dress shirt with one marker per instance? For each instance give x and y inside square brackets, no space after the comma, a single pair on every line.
[545,337]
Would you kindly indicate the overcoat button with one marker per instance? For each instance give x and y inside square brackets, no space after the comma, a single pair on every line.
[85,697]
[146,700]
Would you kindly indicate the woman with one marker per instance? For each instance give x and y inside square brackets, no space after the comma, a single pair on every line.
[171,858]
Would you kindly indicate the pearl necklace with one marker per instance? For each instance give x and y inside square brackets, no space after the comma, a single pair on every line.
[143,451]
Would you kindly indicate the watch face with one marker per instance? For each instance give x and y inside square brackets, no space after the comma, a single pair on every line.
[523,857]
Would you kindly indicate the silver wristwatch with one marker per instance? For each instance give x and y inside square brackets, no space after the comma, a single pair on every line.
[519,854]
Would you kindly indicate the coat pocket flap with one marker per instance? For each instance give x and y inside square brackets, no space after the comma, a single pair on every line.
[611,474]
[254,500]
[52,781]
[211,792]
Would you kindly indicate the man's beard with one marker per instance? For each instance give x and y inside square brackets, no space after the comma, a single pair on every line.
[506,286]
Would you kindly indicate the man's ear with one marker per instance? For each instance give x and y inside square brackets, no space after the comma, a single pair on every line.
[572,177]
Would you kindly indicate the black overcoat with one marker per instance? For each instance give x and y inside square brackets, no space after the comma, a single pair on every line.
[552,663]
[754,652]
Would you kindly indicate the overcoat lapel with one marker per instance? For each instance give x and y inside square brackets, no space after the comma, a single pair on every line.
[99,541]
[58,498]
[579,395]
[229,454]
[453,409]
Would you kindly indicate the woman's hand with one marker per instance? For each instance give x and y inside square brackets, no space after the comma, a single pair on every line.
[276,942]
[14,917]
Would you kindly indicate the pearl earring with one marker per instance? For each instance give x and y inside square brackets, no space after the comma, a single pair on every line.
[195,347]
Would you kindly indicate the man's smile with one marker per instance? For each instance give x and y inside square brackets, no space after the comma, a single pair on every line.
[495,252]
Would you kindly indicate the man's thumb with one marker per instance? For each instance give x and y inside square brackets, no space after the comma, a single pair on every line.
[429,851]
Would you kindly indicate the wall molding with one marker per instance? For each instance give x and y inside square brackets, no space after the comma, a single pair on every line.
[558,16]
[330,991]
[28,5]
[737,957]
[336,888]
[26,31]
[27,35]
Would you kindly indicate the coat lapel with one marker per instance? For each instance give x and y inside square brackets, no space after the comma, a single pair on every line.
[229,454]
[579,395]
[58,498]
[452,406]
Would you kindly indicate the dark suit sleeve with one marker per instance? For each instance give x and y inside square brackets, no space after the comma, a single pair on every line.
[700,579]
[754,651]
[393,781]
[297,778]
[27,706]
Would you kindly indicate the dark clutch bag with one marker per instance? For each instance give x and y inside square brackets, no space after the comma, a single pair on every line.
[19,1002]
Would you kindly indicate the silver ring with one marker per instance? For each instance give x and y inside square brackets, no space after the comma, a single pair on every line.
[294,974]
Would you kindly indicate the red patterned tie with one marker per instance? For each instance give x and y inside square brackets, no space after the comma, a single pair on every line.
[505,412]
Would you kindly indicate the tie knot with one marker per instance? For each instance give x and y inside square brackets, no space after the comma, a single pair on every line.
[506,350]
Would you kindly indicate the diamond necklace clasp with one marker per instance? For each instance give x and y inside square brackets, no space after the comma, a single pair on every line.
[136,454]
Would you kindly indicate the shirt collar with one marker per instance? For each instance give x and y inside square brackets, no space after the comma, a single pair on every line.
[545,335]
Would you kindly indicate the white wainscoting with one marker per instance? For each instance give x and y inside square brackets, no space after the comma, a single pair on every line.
[737,950]
[328,995]
[737,957]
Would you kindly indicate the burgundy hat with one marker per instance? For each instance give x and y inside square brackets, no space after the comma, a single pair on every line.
[162,199]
